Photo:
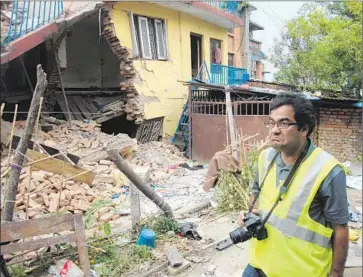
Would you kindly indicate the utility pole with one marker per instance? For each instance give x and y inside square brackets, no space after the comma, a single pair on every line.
[246,39]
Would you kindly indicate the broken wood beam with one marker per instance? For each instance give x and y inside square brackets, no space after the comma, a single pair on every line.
[16,166]
[121,164]
[61,81]
[60,167]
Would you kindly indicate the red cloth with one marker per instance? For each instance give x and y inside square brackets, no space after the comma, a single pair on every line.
[217,56]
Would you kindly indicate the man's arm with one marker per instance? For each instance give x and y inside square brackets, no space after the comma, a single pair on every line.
[335,209]
[340,249]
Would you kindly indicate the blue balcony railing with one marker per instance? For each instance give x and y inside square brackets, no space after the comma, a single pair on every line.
[231,7]
[228,75]
[27,16]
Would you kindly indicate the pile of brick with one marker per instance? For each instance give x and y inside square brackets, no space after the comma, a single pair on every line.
[84,140]
[42,192]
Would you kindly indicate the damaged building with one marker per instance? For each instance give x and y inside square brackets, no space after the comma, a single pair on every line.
[118,63]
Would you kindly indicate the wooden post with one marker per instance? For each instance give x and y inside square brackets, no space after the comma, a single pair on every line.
[121,164]
[61,82]
[190,140]
[135,208]
[23,145]
[232,130]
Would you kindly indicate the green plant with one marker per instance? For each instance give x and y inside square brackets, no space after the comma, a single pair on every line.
[232,191]
[89,217]
[17,271]
[115,261]
[160,224]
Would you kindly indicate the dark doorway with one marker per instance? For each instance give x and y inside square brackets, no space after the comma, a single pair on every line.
[119,125]
[196,53]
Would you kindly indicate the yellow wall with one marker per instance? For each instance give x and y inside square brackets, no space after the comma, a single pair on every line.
[159,79]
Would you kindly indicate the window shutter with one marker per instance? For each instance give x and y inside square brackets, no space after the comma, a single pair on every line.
[144,38]
[135,47]
[160,39]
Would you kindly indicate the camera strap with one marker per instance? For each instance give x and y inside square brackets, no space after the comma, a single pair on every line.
[284,188]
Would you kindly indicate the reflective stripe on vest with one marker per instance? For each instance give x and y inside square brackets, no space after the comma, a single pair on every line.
[267,158]
[289,226]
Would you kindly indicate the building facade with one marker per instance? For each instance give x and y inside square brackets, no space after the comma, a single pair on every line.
[243,50]
[169,43]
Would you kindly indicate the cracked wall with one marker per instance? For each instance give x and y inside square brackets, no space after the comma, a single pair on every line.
[158,82]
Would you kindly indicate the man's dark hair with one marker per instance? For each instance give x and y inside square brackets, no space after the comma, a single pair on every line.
[304,109]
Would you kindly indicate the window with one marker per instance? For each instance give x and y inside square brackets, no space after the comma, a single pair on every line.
[148,37]
[230,59]
[215,51]
[253,69]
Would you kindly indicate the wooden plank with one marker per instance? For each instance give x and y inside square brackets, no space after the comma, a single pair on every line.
[50,150]
[61,167]
[63,108]
[82,244]
[135,207]
[74,109]
[79,101]
[36,244]
[91,105]
[11,231]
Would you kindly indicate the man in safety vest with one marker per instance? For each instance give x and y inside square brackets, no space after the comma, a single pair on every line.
[307,232]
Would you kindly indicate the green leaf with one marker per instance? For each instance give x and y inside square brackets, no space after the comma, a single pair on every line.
[107,229]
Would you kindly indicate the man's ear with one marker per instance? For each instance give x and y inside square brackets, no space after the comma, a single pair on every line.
[304,130]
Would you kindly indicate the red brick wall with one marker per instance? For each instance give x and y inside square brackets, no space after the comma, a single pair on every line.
[339,131]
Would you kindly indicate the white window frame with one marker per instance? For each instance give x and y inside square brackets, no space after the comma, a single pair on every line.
[135,47]
[159,43]
[166,39]
[140,19]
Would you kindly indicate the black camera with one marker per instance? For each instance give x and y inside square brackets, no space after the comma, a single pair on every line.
[253,227]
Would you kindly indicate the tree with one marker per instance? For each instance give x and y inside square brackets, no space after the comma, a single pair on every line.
[322,48]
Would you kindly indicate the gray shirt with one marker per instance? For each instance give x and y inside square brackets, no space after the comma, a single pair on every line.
[330,205]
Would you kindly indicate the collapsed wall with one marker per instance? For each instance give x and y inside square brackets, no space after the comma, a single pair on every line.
[133,107]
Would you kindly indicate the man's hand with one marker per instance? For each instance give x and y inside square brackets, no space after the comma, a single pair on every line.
[340,249]
[242,216]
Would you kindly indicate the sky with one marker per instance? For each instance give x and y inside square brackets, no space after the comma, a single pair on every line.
[272,15]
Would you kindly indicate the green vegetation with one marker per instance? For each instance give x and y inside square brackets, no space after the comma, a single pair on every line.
[322,48]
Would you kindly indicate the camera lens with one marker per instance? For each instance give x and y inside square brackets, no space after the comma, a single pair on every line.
[241,234]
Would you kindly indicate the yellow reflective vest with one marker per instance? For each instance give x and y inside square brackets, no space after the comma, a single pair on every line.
[296,246]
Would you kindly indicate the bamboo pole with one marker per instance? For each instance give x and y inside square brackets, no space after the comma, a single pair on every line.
[12,132]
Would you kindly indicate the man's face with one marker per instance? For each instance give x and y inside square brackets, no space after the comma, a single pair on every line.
[286,138]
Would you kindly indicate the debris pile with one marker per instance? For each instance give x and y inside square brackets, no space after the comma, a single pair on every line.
[42,192]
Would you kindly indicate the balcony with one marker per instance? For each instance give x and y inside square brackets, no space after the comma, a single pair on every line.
[225,14]
[23,17]
[228,75]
